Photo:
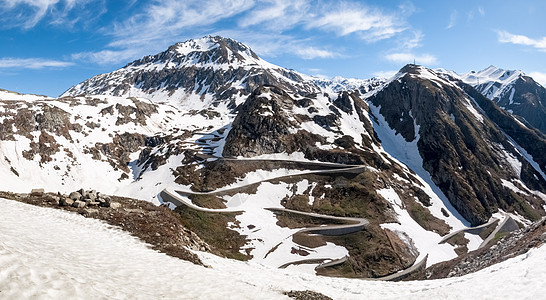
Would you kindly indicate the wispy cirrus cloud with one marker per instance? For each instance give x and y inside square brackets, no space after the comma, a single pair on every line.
[385,74]
[286,25]
[415,40]
[406,58]
[277,14]
[160,24]
[104,57]
[273,44]
[167,20]
[27,14]
[507,37]
[32,63]
[452,19]
[369,23]
[312,52]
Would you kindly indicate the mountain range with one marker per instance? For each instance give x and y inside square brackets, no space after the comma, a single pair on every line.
[259,148]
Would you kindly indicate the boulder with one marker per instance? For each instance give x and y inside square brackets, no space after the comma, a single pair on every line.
[105,201]
[56,200]
[75,196]
[78,204]
[90,212]
[114,205]
[37,192]
[66,202]
[92,196]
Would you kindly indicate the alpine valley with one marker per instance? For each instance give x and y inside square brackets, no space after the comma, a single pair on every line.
[387,178]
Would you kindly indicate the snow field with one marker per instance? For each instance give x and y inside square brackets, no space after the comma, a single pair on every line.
[268,243]
[52,254]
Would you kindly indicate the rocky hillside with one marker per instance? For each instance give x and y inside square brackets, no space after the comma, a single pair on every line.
[460,147]
[253,153]
[514,92]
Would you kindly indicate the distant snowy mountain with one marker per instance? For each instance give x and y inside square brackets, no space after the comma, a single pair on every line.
[195,74]
[270,151]
[513,91]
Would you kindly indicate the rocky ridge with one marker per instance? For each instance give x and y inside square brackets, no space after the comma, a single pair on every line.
[514,92]
[504,246]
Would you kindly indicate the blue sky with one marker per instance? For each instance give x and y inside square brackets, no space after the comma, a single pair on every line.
[50,45]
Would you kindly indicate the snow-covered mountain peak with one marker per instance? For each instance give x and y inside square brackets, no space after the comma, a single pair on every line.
[194,45]
[440,77]
[195,74]
[339,84]
[214,52]
[491,74]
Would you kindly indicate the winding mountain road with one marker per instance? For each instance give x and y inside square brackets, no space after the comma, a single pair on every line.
[351,225]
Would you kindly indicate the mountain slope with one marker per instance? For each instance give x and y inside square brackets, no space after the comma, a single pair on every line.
[467,156]
[195,74]
[514,92]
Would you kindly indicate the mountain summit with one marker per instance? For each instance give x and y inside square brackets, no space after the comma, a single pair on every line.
[513,91]
[195,74]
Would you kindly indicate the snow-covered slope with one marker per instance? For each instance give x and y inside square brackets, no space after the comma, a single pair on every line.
[105,143]
[195,74]
[13,96]
[513,91]
[51,254]
[492,81]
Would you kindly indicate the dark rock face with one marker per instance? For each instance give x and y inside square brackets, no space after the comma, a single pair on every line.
[466,157]
[534,142]
[526,99]
[263,126]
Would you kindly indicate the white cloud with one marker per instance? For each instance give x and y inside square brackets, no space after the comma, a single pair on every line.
[481,11]
[109,56]
[506,37]
[271,44]
[161,24]
[406,58]
[415,41]
[385,74]
[539,77]
[371,24]
[166,21]
[452,19]
[28,13]
[32,63]
[312,52]
[269,27]
[277,14]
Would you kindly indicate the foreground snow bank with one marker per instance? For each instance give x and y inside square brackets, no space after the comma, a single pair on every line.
[47,253]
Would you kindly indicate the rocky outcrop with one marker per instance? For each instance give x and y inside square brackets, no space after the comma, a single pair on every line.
[83,198]
[464,153]
[264,125]
[523,97]
[504,246]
